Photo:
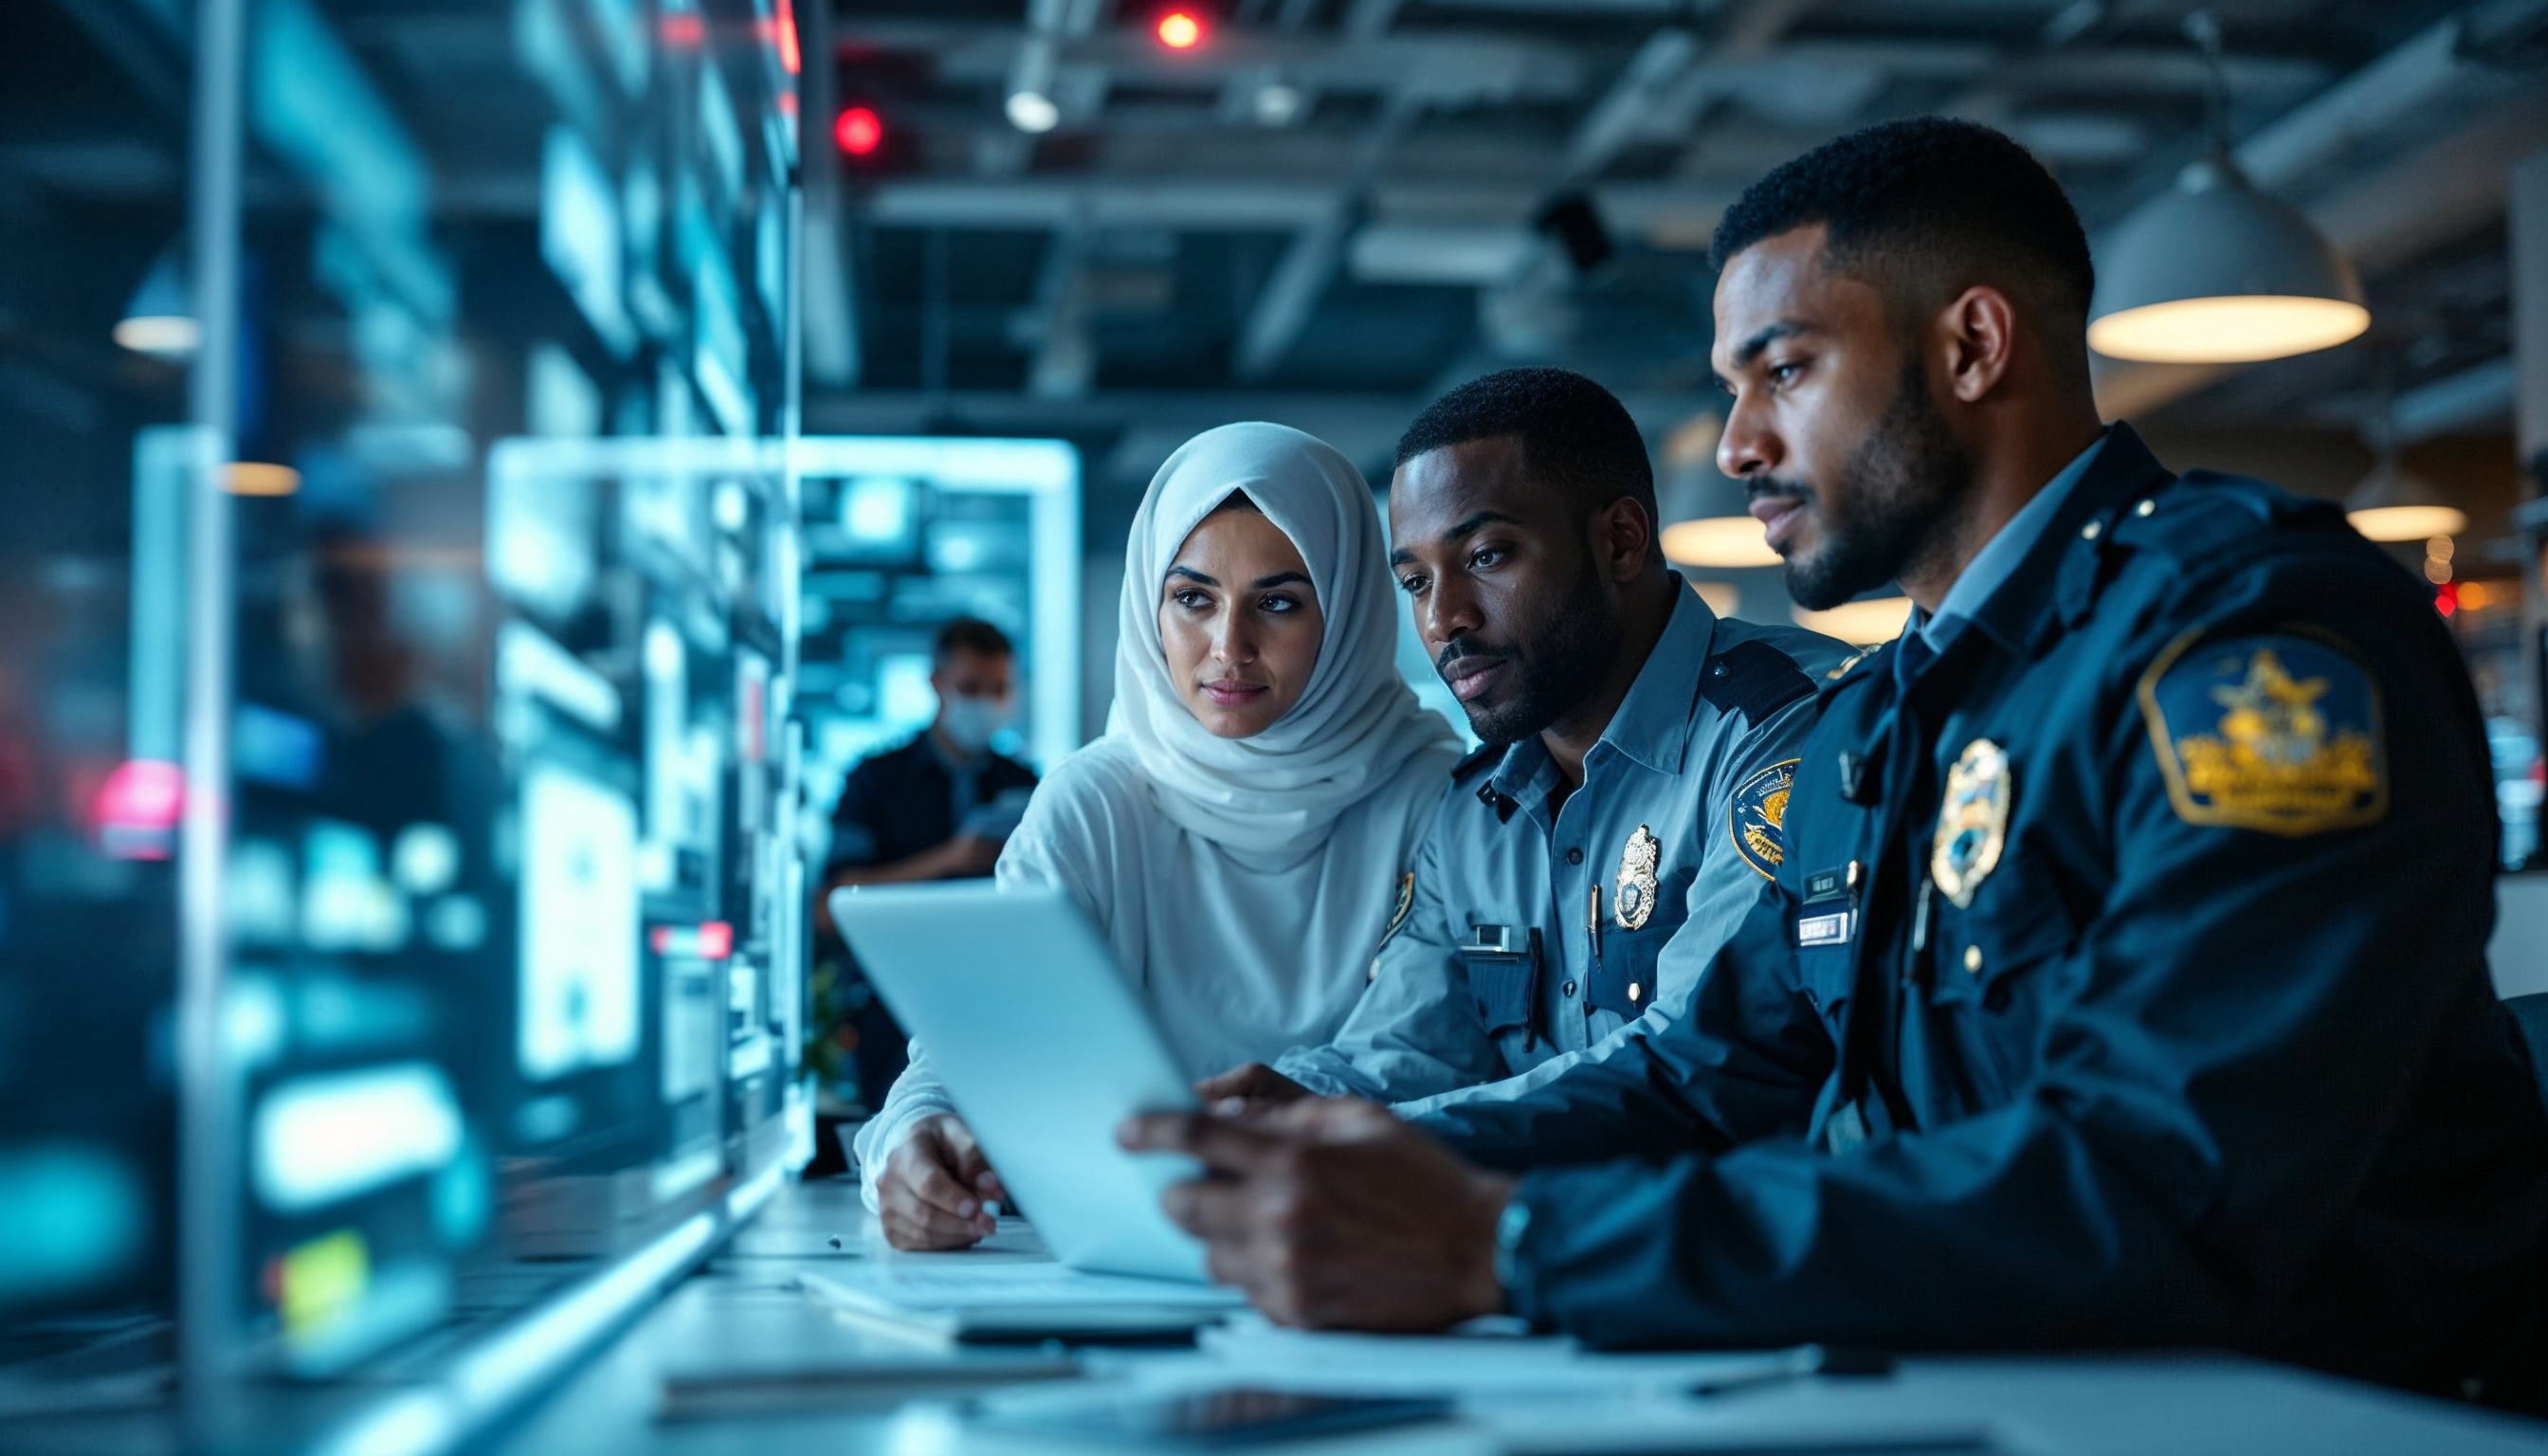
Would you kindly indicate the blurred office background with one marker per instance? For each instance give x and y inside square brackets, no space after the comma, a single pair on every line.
[477,474]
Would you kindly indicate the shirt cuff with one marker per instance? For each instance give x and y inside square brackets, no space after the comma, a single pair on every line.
[1317,1068]
[886,1131]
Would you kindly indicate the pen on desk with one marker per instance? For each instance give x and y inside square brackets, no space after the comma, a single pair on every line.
[1798,1364]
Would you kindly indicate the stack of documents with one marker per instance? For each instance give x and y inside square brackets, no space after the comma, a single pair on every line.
[1469,1368]
[957,1302]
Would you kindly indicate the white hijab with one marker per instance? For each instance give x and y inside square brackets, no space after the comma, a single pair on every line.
[1242,885]
[1271,799]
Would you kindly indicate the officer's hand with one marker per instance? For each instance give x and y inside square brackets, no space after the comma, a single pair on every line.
[929,1194]
[1256,1082]
[1331,1214]
[968,855]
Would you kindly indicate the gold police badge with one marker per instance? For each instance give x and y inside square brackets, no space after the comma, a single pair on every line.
[1973,821]
[1632,900]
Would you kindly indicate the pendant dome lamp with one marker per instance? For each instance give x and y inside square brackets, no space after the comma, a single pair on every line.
[2393,504]
[2213,271]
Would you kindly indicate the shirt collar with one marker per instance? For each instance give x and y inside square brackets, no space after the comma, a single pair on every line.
[2004,552]
[1652,724]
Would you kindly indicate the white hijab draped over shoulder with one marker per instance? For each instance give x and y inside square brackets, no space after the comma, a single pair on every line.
[1243,883]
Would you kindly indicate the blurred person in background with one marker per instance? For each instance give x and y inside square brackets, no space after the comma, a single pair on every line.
[1240,833]
[938,807]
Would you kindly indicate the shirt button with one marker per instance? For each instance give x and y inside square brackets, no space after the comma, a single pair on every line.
[1568,989]
[1973,960]
[1574,857]
[2089,531]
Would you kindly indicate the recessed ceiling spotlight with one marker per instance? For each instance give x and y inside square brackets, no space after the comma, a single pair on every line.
[1033,112]
[1277,105]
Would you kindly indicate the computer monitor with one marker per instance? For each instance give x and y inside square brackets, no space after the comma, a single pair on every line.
[398,797]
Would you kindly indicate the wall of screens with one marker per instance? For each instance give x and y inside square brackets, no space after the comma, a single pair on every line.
[434,672]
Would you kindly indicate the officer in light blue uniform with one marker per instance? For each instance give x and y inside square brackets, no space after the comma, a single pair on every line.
[1625,814]
[1534,937]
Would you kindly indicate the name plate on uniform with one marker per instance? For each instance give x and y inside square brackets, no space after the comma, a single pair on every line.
[1824,929]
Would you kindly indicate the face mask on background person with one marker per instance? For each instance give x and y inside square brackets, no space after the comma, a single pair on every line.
[970,722]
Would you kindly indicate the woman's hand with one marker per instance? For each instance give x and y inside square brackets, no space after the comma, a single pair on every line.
[929,1195]
[1255,1082]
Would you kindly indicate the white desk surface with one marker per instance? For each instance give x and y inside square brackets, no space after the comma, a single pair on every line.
[743,1313]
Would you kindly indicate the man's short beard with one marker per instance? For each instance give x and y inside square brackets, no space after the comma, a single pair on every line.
[1904,483]
[1557,665]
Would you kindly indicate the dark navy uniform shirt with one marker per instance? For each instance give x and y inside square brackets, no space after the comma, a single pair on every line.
[911,798]
[2124,984]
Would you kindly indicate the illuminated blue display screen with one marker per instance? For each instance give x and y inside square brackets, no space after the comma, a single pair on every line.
[485,856]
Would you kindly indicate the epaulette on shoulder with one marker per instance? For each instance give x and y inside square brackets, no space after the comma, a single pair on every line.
[2207,513]
[1754,680]
[1478,757]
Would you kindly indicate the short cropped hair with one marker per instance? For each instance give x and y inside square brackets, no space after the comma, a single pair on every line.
[1932,206]
[969,634]
[1573,434]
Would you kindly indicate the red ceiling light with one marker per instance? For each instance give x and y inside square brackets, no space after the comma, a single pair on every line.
[1179,31]
[859,131]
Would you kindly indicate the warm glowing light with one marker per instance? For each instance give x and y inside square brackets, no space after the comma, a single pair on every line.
[1179,31]
[2226,330]
[2474,594]
[161,336]
[859,131]
[1693,442]
[2447,598]
[1859,624]
[260,478]
[789,56]
[1033,112]
[1723,597]
[1721,541]
[2409,522]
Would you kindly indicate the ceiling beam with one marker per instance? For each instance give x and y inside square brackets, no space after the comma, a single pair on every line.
[1289,295]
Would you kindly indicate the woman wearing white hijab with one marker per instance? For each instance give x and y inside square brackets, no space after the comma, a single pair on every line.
[1240,833]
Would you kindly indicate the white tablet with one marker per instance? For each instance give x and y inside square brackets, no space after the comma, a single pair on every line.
[1044,1047]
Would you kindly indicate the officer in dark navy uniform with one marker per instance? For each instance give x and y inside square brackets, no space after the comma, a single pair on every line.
[2124,983]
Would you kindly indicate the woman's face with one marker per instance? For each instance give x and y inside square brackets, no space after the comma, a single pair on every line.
[1241,623]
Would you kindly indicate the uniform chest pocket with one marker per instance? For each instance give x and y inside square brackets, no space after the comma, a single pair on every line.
[1825,973]
[1503,966]
[1624,970]
[1995,949]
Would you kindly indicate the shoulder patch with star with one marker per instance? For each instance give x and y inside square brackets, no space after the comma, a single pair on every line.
[2279,733]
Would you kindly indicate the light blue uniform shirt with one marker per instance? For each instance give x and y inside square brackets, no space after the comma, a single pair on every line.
[1502,968]
[2001,554]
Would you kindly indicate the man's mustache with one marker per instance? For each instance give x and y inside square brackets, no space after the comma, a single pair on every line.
[1761,487]
[1460,647]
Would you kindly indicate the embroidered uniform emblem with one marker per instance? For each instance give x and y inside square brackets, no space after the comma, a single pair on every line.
[2280,734]
[1632,899]
[1756,819]
[1973,821]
